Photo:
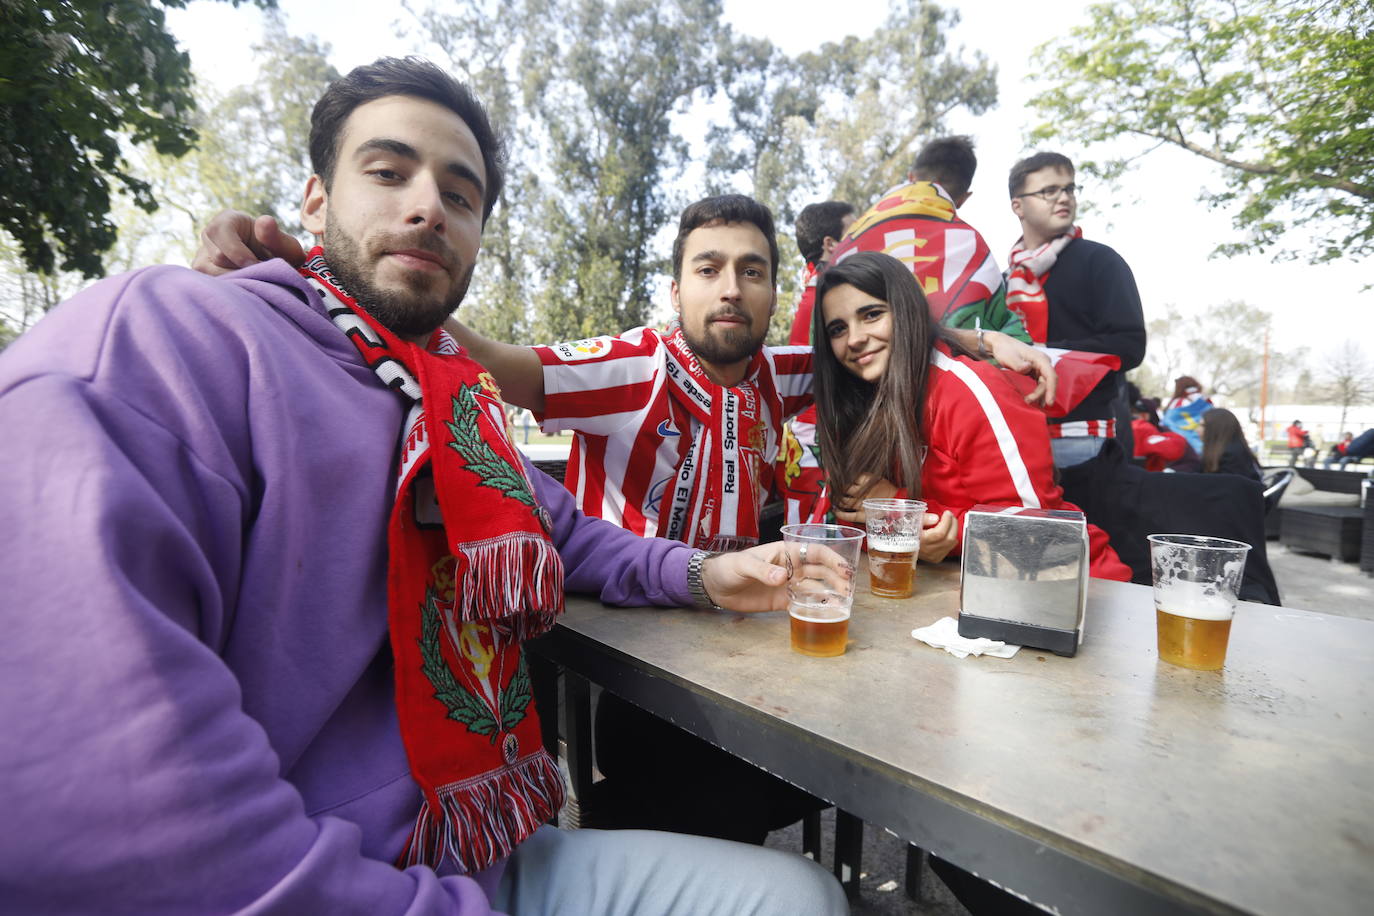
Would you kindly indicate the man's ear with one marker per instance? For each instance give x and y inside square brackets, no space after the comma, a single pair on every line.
[827,246]
[773,306]
[1016,207]
[675,298]
[315,206]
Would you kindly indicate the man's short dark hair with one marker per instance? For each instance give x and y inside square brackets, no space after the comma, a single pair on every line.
[1017,182]
[728,208]
[403,76]
[816,222]
[949,162]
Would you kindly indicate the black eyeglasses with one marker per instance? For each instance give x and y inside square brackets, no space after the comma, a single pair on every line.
[1048,195]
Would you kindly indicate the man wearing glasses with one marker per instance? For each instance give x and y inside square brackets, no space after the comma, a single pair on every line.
[1076,294]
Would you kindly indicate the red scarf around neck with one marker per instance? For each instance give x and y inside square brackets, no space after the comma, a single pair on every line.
[471,574]
[718,491]
[1026,282]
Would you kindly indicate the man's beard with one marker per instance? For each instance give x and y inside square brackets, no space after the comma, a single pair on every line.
[723,348]
[413,312]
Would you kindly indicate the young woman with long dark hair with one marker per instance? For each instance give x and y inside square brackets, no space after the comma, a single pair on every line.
[888,382]
[1224,449]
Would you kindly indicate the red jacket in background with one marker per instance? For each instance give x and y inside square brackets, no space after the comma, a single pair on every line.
[1160,448]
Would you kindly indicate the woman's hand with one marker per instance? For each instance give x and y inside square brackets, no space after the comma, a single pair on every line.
[938,536]
[866,487]
[1012,354]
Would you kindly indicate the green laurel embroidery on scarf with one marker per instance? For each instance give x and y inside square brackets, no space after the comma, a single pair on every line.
[491,468]
[463,705]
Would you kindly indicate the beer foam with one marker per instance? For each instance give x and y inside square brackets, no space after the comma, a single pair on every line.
[830,608]
[1197,600]
[895,543]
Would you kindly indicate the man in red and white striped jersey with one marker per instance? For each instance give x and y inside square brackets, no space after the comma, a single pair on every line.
[676,430]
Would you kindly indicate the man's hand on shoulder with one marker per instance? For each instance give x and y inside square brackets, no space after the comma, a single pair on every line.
[233,240]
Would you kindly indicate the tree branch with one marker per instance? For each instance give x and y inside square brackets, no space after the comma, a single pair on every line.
[1254,168]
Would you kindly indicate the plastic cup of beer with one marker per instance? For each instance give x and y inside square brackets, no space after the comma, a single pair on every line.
[894,539]
[820,588]
[1197,580]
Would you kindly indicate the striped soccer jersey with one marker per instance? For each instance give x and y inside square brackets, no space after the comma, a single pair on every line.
[632,454]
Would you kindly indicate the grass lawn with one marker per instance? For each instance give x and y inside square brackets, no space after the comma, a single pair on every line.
[535,436]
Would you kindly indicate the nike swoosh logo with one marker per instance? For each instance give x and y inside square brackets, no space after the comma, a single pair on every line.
[665,429]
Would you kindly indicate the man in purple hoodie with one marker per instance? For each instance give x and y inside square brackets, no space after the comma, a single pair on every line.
[230,676]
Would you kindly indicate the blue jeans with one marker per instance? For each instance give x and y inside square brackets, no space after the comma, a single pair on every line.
[650,873]
[1072,450]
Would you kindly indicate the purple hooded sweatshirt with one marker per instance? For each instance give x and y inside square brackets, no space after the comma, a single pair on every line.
[196,698]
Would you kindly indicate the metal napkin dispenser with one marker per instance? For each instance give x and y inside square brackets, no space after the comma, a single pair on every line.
[1024,577]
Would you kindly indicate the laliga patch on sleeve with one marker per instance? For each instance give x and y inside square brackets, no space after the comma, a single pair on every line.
[575,350]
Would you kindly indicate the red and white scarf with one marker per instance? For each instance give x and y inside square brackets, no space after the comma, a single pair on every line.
[719,490]
[1026,282]
[471,574]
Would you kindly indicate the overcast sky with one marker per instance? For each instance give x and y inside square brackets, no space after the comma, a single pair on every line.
[1154,221]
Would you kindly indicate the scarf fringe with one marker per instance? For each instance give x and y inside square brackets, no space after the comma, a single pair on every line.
[516,577]
[484,819]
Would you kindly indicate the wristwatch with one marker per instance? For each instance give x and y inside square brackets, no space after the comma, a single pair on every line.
[695,586]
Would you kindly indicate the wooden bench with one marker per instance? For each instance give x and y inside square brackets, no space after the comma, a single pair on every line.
[1331,530]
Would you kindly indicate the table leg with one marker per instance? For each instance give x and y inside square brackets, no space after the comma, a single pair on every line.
[915,868]
[544,680]
[577,729]
[811,836]
[849,844]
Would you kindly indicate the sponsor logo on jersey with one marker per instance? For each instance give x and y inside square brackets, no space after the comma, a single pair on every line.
[590,348]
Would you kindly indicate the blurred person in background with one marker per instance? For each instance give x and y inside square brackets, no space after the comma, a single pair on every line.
[1298,442]
[1224,449]
[1339,449]
[1183,412]
[1160,449]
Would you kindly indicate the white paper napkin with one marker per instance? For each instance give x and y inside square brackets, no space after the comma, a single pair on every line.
[944,634]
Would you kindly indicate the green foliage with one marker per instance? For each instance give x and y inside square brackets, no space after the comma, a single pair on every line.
[1280,93]
[897,87]
[586,91]
[76,76]
[603,80]
[482,41]
[843,122]
[254,149]
[592,94]
[25,296]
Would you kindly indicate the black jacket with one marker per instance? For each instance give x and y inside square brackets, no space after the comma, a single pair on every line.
[1094,305]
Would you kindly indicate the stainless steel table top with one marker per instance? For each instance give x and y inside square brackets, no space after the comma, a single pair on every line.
[1108,782]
